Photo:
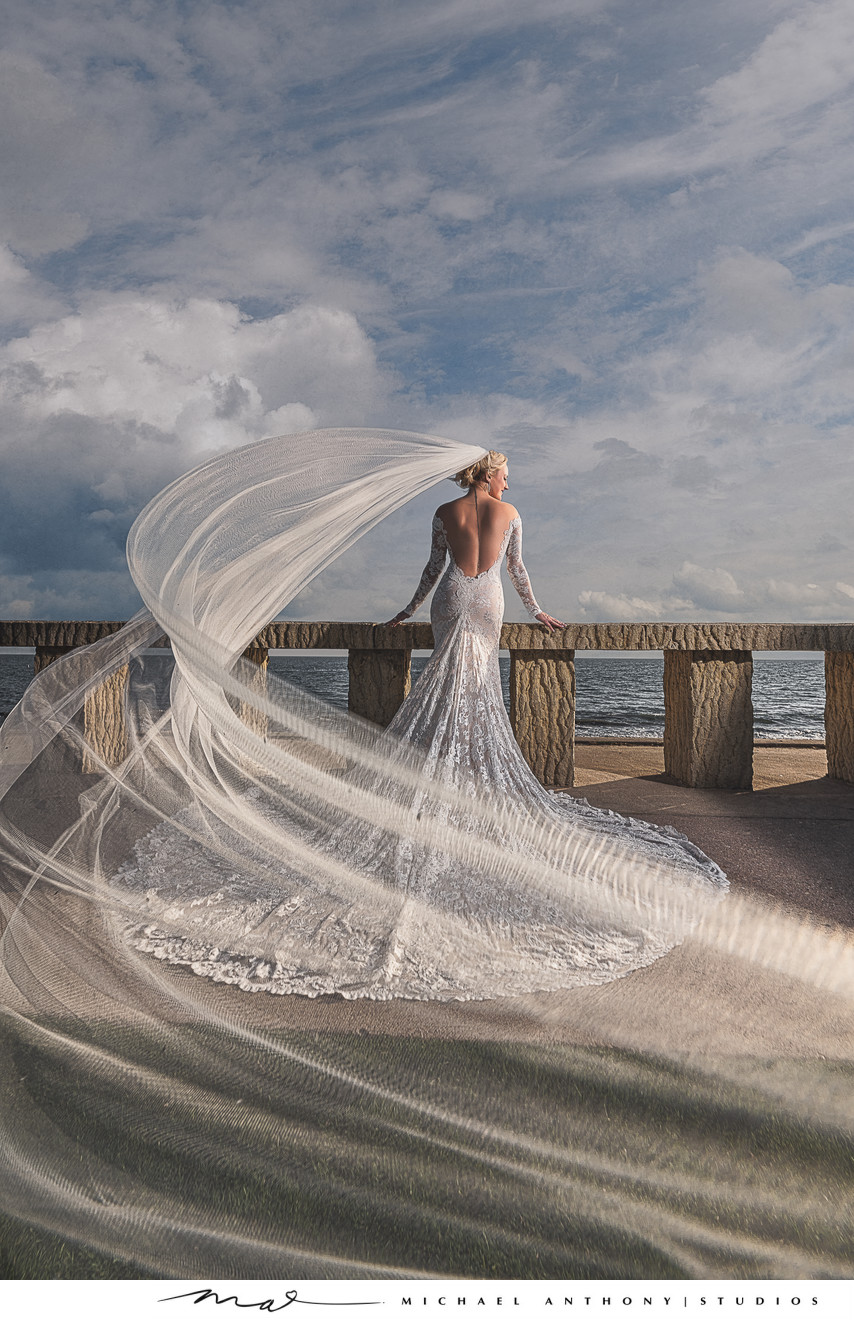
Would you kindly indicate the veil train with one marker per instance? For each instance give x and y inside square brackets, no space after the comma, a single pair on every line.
[139,1099]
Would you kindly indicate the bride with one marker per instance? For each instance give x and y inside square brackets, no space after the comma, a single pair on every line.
[244,831]
[425,861]
[456,711]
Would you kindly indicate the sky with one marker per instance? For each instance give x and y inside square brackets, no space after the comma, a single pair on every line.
[611,239]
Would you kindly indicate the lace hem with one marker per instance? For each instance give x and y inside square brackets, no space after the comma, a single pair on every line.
[253,974]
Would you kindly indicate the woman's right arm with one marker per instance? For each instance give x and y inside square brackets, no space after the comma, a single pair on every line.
[521,581]
[432,570]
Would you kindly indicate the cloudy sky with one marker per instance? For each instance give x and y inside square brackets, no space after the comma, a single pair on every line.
[610,238]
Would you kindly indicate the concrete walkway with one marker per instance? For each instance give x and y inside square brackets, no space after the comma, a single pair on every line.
[789,842]
[790,839]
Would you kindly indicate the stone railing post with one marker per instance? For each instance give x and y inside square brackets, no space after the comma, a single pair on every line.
[708,734]
[104,726]
[379,681]
[708,718]
[839,714]
[44,656]
[104,722]
[542,713]
[257,681]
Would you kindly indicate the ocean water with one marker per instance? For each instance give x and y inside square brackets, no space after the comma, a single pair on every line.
[615,698]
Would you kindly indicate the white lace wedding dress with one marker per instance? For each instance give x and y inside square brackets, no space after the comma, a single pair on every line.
[425,920]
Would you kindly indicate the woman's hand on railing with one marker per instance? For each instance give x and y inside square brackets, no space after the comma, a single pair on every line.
[549,621]
[399,618]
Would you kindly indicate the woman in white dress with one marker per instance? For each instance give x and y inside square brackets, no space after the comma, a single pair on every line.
[249,833]
[456,711]
[437,867]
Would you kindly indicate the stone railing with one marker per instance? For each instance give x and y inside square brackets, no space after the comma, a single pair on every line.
[708,674]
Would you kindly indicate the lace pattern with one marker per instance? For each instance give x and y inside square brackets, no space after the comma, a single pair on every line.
[440,551]
[516,568]
[269,925]
[438,554]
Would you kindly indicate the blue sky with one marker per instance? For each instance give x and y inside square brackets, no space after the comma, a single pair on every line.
[612,239]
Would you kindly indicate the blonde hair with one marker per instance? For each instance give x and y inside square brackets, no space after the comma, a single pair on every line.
[481,470]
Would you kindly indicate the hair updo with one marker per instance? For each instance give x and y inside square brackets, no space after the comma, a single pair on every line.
[482,470]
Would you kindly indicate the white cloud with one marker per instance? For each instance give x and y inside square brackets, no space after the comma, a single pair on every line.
[698,593]
[714,589]
[455,204]
[604,607]
[765,331]
[801,596]
[47,145]
[613,244]
[102,407]
[24,299]
[805,61]
[788,95]
[195,368]
[68,594]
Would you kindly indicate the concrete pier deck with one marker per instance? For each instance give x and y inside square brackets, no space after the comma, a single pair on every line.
[791,839]
[789,842]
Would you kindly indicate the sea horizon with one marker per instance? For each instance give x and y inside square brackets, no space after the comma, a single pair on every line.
[617,697]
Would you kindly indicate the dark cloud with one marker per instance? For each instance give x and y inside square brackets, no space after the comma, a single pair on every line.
[59,509]
[622,463]
[536,225]
[693,473]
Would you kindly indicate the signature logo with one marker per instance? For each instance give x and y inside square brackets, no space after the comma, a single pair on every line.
[264,1304]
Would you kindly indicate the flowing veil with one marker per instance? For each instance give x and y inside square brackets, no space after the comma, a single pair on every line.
[157,1122]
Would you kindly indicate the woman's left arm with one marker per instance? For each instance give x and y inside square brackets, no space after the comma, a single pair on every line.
[521,581]
[432,570]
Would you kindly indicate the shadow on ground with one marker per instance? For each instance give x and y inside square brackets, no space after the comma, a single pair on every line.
[790,839]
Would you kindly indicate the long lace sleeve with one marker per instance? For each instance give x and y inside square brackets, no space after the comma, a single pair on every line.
[516,569]
[433,567]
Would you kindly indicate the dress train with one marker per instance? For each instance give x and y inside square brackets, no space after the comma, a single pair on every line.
[476,909]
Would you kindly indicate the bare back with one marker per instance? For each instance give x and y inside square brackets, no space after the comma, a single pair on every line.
[475,530]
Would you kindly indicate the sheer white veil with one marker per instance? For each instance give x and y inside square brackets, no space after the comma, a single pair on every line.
[156,1122]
